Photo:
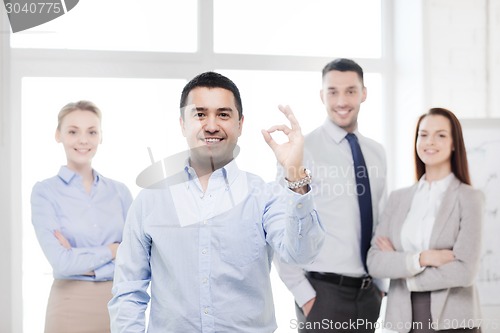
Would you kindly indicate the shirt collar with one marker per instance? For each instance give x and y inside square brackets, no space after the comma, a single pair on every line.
[335,132]
[228,172]
[67,175]
[441,184]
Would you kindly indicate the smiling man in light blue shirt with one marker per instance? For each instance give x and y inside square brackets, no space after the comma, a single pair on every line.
[204,243]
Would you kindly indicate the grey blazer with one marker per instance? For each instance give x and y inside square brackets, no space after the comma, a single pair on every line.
[458,227]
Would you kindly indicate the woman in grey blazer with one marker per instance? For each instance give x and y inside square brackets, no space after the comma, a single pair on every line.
[429,238]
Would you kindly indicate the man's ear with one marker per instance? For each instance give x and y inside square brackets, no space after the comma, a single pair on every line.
[365,94]
[241,124]
[181,123]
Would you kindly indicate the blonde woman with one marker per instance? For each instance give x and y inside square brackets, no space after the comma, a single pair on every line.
[78,216]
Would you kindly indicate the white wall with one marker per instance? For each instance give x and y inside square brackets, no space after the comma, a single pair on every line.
[5,259]
[456,46]
[494,57]
[9,242]
[409,96]
[462,69]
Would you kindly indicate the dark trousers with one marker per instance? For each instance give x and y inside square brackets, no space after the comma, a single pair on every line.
[421,314]
[341,309]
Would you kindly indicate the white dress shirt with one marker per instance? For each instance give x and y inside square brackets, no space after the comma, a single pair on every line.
[417,227]
[328,156]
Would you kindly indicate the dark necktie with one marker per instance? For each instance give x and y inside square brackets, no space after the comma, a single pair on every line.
[364,195]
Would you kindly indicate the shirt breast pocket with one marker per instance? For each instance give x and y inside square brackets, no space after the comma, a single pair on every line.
[240,241]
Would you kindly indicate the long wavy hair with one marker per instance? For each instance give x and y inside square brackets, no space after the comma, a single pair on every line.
[459,164]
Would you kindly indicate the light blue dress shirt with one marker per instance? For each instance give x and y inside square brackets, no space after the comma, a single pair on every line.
[207,255]
[89,221]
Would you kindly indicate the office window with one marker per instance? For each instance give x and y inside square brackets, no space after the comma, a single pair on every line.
[137,114]
[298,27]
[147,117]
[118,25]
[139,93]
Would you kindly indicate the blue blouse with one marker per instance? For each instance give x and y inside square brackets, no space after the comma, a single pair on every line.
[89,221]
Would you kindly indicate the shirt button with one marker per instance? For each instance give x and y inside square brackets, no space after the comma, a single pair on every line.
[204,251]
[204,281]
[205,311]
[299,205]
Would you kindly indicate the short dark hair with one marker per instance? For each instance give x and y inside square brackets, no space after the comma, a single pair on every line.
[459,165]
[344,65]
[211,80]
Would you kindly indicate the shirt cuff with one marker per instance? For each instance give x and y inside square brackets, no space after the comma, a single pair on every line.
[301,204]
[413,266]
[413,263]
[105,272]
[382,284]
[303,292]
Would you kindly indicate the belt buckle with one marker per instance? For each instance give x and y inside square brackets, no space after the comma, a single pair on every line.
[367,281]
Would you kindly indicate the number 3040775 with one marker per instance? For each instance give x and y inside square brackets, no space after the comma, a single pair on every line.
[33,8]
[471,323]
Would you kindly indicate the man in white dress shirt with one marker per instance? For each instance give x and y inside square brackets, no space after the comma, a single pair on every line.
[336,293]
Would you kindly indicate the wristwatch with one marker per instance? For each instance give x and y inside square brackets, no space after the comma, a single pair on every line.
[301,182]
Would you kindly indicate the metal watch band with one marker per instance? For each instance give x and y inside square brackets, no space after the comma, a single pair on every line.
[301,182]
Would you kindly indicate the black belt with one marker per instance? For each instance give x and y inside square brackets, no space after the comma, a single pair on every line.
[342,280]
